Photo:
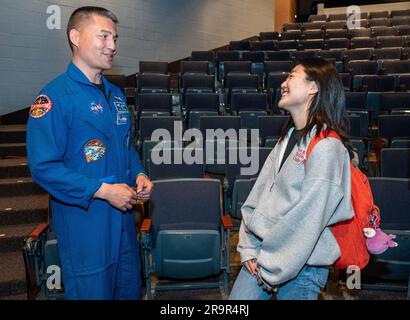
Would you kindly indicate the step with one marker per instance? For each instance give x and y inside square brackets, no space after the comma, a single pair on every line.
[14,133]
[12,149]
[12,276]
[25,209]
[22,186]
[21,296]
[14,167]
[12,237]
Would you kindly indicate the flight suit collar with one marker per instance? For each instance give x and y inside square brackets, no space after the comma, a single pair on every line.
[77,75]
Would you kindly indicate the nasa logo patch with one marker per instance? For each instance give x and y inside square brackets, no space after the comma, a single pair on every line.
[96,108]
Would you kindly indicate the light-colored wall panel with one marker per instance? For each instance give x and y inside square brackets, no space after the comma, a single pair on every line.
[367,8]
[31,54]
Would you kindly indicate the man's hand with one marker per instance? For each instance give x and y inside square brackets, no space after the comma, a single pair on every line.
[120,196]
[144,187]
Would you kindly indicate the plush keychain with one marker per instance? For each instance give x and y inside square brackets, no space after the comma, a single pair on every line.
[377,241]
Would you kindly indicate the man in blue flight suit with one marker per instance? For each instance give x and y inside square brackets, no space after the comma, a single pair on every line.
[80,149]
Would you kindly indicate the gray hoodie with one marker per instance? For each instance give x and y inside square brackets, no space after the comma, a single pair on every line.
[287,215]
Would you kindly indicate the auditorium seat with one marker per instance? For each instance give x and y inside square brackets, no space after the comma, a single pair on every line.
[391,269]
[186,237]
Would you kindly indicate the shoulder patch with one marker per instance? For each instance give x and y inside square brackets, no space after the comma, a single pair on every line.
[41,106]
[94,150]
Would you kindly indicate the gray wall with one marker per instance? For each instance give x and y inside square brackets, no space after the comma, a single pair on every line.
[161,30]
[367,8]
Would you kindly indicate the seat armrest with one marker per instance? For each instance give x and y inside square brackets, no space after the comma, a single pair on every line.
[38,231]
[226,221]
[146,226]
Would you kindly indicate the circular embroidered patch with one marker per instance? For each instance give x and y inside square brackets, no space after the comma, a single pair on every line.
[41,106]
[94,150]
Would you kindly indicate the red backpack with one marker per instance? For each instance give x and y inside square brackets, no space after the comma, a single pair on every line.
[349,234]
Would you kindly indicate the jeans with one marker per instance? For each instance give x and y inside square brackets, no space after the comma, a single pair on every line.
[306,286]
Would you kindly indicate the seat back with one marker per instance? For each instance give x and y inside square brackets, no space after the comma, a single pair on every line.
[194,67]
[153,82]
[271,126]
[241,189]
[161,102]
[396,100]
[171,164]
[394,126]
[249,101]
[395,163]
[392,196]
[391,269]
[149,124]
[268,36]
[186,215]
[234,169]
[153,67]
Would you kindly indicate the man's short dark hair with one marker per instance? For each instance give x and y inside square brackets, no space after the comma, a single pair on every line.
[84,13]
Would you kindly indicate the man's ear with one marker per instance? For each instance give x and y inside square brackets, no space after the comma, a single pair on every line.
[74,37]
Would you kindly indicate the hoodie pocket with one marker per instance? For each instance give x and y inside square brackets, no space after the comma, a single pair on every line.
[261,225]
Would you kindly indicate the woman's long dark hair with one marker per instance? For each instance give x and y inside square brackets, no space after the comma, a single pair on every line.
[328,104]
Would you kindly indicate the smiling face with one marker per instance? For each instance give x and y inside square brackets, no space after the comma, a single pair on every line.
[94,44]
[296,91]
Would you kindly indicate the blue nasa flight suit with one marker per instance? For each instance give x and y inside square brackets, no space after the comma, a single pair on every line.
[76,140]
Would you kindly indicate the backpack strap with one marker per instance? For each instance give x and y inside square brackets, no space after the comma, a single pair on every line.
[317,138]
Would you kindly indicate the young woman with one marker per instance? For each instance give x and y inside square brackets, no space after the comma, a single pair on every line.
[285,242]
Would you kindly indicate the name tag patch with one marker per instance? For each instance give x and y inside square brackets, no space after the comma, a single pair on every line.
[120,105]
[94,150]
[41,106]
[121,118]
[299,156]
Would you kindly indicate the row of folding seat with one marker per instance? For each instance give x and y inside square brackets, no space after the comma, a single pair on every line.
[357,67]
[390,126]
[376,83]
[400,30]
[334,33]
[268,55]
[368,93]
[275,72]
[394,160]
[380,75]
[349,24]
[378,102]
[331,43]
[361,15]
